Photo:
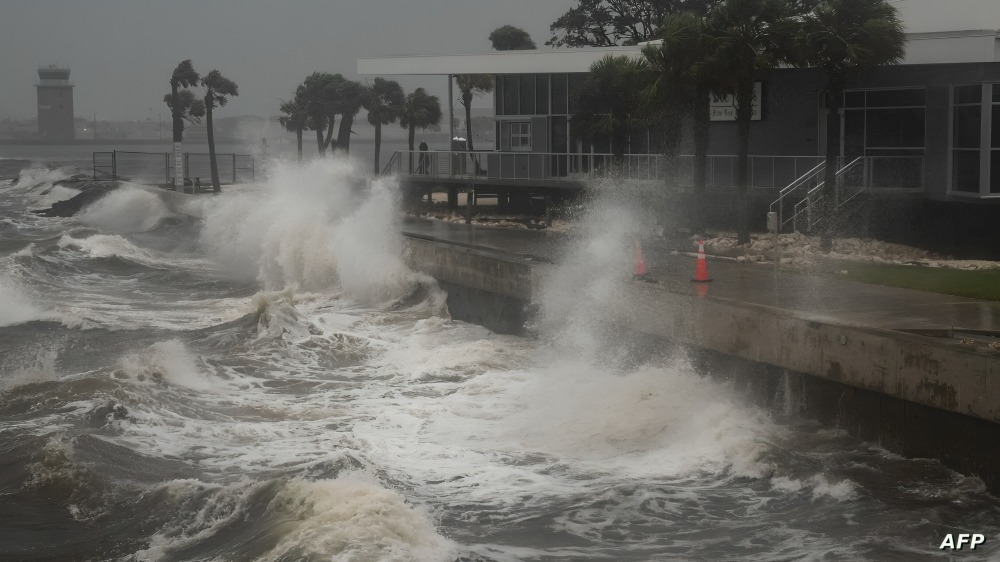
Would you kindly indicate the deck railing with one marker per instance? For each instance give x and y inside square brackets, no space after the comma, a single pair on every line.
[156,167]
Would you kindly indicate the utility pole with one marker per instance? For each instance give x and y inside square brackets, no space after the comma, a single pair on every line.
[95,126]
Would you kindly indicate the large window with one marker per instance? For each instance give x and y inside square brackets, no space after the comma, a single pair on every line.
[520,136]
[966,138]
[995,142]
[884,122]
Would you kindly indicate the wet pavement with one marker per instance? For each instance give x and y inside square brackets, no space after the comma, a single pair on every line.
[817,297]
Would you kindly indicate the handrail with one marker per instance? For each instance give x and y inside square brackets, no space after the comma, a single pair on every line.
[807,202]
[797,183]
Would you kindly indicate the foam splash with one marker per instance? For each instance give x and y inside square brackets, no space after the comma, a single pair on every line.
[352,517]
[168,361]
[105,246]
[314,226]
[124,210]
[17,307]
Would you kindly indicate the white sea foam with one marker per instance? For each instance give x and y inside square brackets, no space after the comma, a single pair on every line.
[124,210]
[107,245]
[37,179]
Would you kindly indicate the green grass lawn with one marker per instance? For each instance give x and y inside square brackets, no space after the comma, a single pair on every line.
[979,284]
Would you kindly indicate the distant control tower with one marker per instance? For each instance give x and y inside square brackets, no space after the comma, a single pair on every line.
[55,104]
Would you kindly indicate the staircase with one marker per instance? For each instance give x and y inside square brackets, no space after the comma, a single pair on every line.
[811,207]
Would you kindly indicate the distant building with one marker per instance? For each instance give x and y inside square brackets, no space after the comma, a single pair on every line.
[55,104]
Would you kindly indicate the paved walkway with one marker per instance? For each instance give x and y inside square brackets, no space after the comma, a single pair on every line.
[822,298]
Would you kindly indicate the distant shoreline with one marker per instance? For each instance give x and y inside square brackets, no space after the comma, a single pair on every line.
[43,142]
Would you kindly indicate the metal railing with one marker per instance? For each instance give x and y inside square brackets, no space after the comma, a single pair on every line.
[763,172]
[863,175]
[157,167]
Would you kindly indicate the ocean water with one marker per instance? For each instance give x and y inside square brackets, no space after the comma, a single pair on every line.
[273,383]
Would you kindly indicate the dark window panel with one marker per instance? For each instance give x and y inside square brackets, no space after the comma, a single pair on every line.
[541,94]
[896,98]
[967,125]
[969,94]
[995,130]
[854,133]
[995,171]
[854,99]
[527,94]
[996,93]
[559,89]
[498,95]
[965,171]
[575,81]
[510,94]
[559,141]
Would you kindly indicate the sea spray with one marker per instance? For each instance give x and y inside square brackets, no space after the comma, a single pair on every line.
[317,226]
[125,210]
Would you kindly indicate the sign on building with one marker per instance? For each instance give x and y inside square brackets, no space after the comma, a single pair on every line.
[723,106]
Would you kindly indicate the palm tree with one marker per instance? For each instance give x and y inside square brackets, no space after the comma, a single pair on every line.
[847,38]
[748,38]
[384,100]
[610,100]
[218,90]
[318,91]
[472,85]
[182,108]
[349,99]
[420,110]
[295,119]
[685,78]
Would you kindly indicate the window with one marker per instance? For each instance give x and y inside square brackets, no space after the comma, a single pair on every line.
[966,139]
[559,94]
[520,136]
[884,122]
[527,94]
[510,95]
[541,94]
[995,141]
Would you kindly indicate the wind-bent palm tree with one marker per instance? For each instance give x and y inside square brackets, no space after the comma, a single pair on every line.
[349,99]
[471,85]
[384,100]
[747,38]
[847,38]
[295,119]
[611,101]
[218,90]
[420,110]
[182,108]
[318,91]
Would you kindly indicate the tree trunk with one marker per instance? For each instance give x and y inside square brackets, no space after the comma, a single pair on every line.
[702,119]
[744,112]
[344,133]
[378,143]
[212,162]
[178,130]
[412,136]
[298,140]
[828,202]
[319,142]
[329,136]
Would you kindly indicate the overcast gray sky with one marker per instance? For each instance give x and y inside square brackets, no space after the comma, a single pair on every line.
[121,52]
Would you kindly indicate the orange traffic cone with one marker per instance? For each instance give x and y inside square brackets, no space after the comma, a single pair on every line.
[640,262]
[701,267]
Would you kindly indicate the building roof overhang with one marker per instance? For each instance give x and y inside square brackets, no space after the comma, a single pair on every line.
[942,47]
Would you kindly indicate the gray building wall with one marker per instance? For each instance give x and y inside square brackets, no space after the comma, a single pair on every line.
[55,112]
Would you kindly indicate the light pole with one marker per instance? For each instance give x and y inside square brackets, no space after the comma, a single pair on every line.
[95,126]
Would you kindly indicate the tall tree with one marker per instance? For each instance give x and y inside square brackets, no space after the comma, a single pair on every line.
[182,108]
[510,38]
[384,100]
[846,39]
[685,78]
[421,110]
[610,100]
[318,91]
[348,101]
[295,119]
[605,23]
[748,38]
[472,85]
[218,90]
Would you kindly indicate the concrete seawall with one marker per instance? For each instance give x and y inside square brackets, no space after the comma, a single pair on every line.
[914,394]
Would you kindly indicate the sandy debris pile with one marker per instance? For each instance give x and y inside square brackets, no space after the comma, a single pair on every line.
[798,249]
[517,222]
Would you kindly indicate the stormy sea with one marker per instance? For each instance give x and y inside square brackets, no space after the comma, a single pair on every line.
[271,382]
